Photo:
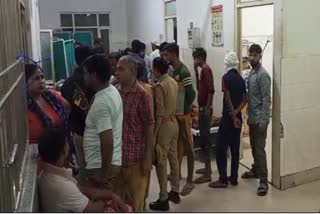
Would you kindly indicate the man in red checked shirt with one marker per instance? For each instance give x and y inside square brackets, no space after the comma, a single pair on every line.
[138,135]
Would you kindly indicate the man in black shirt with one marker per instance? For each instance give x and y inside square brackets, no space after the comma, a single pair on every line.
[234,89]
[77,116]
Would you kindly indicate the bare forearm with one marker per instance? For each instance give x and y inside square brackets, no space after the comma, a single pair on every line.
[229,103]
[149,142]
[242,105]
[106,157]
[97,194]
[209,101]
[157,126]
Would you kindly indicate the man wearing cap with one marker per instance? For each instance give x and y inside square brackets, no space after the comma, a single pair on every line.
[234,89]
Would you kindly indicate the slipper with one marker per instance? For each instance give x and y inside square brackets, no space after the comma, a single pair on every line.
[203,179]
[218,184]
[187,189]
[263,189]
[249,174]
[201,171]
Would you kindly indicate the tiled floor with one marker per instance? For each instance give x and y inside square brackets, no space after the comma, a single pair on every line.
[243,198]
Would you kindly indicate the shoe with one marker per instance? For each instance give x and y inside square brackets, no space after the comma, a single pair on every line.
[233,182]
[160,205]
[263,189]
[249,174]
[174,197]
[201,171]
[218,185]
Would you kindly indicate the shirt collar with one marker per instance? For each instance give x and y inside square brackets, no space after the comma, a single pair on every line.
[255,70]
[64,172]
[163,77]
[133,89]
[232,70]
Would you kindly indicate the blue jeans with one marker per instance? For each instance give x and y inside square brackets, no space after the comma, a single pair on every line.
[204,125]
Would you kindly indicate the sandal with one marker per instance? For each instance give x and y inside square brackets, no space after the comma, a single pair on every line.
[202,171]
[263,189]
[249,174]
[203,179]
[218,184]
[187,189]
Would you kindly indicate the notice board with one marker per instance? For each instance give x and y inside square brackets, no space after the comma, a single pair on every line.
[217,26]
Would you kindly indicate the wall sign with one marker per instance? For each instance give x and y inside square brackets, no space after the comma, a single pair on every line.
[217,26]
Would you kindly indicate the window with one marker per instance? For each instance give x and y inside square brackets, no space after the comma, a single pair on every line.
[97,23]
[85,20]
[66,20]
[171,20]
[170,8]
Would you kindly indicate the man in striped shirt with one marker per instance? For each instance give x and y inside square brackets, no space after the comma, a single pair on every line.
[186,96]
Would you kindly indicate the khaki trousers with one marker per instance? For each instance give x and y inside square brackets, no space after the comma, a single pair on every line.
[166,148]
[108,180]
[131,186]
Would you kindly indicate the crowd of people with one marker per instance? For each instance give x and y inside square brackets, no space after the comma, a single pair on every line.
[118,115]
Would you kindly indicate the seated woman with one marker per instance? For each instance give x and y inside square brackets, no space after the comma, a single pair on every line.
[46,108]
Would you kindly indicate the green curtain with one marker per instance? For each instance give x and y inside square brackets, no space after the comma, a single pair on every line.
[85,38]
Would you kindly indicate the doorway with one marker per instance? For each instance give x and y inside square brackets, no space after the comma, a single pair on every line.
[255,25]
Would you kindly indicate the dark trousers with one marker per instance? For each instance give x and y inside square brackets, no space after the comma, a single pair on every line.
[258,144]
[204,126]
[229,136]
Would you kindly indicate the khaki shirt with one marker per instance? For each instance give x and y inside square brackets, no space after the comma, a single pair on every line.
[166,94]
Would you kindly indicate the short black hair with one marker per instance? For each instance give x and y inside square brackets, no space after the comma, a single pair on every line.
[115,55]
[82,53]
[255,48]
[143,46]
[135,45]
[97,41]
[51,144]
[101,65]
[161,65]
[172,48]
[30,69]
[127,51]
[140,66]
[200,53]
[162,45]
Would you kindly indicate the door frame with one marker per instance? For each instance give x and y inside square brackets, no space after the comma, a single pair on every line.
[276,102]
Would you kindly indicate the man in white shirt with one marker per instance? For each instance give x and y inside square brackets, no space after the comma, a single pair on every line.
[58,189]
[103,134]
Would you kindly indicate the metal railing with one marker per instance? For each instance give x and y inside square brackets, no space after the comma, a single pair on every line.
[13,106]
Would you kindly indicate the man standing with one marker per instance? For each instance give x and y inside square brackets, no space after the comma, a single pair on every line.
[103,134]
[186,96]
[234,100]
[78,115]
[139,49]
[205,86]
[155,50]
[259,102]
[138,135]
[98,46]
[166,134]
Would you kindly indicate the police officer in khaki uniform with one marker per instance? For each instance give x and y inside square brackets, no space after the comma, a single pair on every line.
[166,133]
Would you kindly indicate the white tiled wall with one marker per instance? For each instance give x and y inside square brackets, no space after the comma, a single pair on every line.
[300,89]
